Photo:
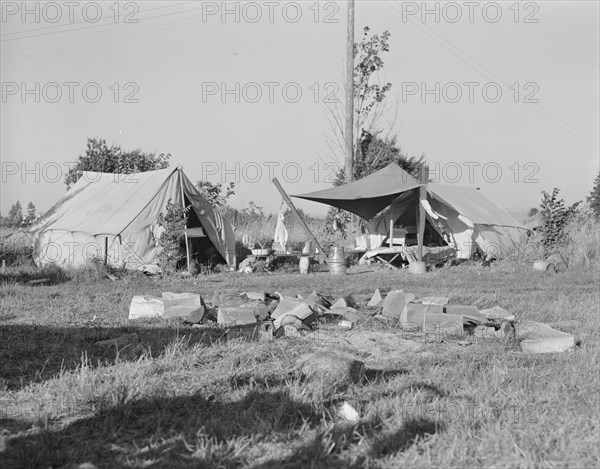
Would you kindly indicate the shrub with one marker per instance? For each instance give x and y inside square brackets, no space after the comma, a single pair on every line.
[173,224]
[555,217]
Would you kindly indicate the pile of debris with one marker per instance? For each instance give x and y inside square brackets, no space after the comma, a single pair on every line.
[261,316]
[273,315]
[439,320]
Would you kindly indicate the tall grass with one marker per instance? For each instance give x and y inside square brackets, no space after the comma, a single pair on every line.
[263,230]
[580,249]
[583,242]
[16,247]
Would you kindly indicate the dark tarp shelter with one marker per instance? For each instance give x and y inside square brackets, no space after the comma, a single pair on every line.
[367,196]
[461,215]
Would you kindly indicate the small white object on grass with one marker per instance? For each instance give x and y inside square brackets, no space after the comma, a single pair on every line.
[87,465]
[349,413]
[345,325]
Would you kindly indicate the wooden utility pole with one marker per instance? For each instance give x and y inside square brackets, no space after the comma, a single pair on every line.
[349,167]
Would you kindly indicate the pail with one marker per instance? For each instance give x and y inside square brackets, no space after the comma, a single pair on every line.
[304,264]
[337,261]
[305,258]
[417,267]
[543,266]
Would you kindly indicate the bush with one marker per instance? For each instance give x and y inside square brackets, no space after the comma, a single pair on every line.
[173,224]
[556,217]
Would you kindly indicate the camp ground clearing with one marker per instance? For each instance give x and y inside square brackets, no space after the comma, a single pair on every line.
[109,365]
[180,397]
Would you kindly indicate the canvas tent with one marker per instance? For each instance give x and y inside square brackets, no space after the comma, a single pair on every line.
[114,217]
[460,217]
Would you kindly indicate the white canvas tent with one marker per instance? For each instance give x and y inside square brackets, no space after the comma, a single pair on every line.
[114,217]
[462,217]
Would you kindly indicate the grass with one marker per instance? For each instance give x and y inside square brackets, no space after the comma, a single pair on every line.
[185,398]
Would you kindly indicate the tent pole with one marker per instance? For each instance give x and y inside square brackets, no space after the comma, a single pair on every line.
[392,224]
[422,198]
[187,246]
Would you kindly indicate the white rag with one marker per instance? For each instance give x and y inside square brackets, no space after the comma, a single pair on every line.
[281,233]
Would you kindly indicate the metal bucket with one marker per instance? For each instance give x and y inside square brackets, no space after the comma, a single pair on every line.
[337,261]
[543,266]
[418,268]
[304,264]
[305,259]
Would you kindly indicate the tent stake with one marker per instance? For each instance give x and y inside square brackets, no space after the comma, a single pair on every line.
[187,247]
[296,215]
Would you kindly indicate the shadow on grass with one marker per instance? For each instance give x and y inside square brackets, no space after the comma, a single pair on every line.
[404,437]
[199,431]
[165,432]
[326,448]
[426,387]
[30,353]
[376,376]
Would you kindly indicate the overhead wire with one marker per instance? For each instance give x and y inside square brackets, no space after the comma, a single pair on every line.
[43,50]
[469,61]
[79,45]
[91,24]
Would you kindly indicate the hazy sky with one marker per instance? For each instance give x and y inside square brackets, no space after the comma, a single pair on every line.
[235,92]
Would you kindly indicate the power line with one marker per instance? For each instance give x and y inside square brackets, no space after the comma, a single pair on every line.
[44,50]
[87,28]
[151,29]
[541,111]
[78,22]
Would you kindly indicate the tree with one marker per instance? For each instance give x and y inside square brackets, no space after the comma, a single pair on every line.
[31,214]
[533,212]
[214,192]
[102,158]
[594,197]
[375,153]
[555,217]
[369,97]
[373,149]
[15,214]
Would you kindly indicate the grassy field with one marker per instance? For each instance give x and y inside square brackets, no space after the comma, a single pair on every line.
[185,398]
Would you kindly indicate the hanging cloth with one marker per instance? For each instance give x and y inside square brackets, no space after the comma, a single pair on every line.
[281,234]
